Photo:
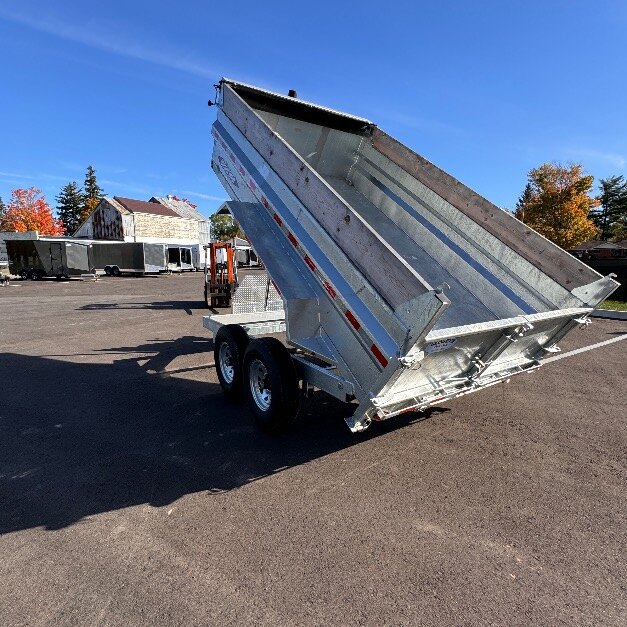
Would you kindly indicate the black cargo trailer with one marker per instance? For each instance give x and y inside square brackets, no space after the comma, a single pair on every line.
[52,257]
[116,258]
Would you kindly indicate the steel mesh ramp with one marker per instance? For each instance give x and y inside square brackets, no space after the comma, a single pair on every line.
[256,293]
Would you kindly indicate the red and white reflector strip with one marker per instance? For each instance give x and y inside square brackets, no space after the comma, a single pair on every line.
[380,357]
[375,351]
[352,320]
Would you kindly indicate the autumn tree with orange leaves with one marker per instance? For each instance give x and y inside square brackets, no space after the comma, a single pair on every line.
[556,202]
[28,211]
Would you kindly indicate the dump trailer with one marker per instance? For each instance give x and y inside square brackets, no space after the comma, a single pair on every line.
[401,287]
[49,257]
[117,258]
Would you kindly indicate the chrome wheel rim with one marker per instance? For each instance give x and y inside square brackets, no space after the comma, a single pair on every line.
[226,363]
[259,384]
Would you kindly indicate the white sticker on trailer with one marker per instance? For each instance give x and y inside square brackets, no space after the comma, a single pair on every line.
[440,345]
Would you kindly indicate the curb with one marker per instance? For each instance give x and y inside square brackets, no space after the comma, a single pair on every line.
[610,315]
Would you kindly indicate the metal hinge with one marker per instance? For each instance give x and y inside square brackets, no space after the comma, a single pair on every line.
[409,360]
[480,363]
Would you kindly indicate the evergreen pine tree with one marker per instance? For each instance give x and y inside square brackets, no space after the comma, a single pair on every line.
[92,194]
[70,204]
[526,198]
[611,215]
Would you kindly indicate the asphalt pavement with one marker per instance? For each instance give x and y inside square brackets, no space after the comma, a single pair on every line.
[132,493]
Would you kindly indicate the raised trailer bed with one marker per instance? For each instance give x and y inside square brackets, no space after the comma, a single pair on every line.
[401,287]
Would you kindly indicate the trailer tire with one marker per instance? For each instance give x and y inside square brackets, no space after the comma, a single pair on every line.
[271,384]
[107,270]
[229,346]
[115,271]
[25,275]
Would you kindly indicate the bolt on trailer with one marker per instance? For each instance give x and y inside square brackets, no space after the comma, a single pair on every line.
[401,287]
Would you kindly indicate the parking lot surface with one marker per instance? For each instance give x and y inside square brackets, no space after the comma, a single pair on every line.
[132,493]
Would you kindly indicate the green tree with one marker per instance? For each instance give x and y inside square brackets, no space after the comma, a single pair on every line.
[223,227]
[70,207]
[93,193]
[610,216]
[556,202]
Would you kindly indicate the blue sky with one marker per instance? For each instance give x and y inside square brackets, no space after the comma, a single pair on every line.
[486,89]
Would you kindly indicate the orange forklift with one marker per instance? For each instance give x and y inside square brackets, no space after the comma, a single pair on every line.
[220,274]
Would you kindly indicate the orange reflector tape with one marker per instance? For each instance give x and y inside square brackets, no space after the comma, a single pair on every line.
[352,320]
[379,355]
[292,239]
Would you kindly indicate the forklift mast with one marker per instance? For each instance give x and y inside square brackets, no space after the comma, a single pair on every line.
[220,275]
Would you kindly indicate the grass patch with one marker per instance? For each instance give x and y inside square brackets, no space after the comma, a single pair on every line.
[614,305]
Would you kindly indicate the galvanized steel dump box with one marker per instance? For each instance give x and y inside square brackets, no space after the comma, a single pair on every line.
[401,286]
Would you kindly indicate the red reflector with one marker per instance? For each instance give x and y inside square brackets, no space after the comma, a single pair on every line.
[264,202]
[310,263]
[379,355]
[329,288]
[352,320]
[292,239]
[277,219]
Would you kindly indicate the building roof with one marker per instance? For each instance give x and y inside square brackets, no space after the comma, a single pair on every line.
[598,243]
[114,203]
[181,206]
[592,243]
[143,206]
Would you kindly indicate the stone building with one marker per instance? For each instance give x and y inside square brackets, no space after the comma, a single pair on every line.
[186,209]
[129,220]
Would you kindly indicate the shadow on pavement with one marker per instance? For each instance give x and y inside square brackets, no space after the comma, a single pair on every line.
[185,305]
[78,439]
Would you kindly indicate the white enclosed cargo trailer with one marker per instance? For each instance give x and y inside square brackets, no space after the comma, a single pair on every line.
[401,287]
